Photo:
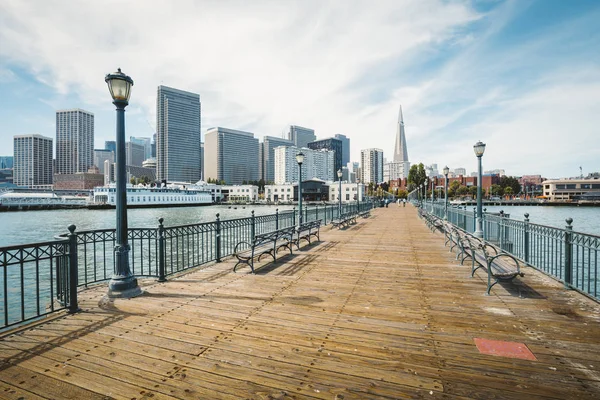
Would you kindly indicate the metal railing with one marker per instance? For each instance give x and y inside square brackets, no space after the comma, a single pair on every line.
[41,278]
[568,256]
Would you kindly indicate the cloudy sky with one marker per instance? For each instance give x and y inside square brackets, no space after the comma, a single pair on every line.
[522,76]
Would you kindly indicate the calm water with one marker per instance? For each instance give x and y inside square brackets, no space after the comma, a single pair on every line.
[585,219]
[38,226]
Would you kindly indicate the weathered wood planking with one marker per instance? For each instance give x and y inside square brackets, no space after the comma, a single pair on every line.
[378,310]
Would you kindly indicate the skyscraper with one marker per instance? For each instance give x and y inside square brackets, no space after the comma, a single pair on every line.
[268,156]
[111,145]
[301,136]
[74,141]
[100,156]
[230,155]
[371,166]
[317,164]
[334,145]
[32,160]
[345,148]
[135,154]
[178,139]
[400,151]
[145,142]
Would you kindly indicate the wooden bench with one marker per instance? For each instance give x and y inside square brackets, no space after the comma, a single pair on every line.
[305,231]
[500,266]
[344,220]
[264,244]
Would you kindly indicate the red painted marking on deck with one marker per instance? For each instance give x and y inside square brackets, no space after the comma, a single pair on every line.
[504,349]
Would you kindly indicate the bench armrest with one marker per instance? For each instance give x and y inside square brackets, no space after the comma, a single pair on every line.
[240,243]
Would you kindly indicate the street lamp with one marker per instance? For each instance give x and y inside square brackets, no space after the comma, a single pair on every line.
[300,160]
[446,171]
[479,149]
[122,283]
[339,174]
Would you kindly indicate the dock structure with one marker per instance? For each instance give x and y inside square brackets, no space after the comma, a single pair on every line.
[377,310]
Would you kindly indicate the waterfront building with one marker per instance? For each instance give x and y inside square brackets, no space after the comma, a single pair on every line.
[79,180]
[571,189]
[330,144]
[178,138]
[149,163]
[460,171]
[111,145]
[102,155]
[317,164]
[280,193]
[131,171]
[6,162]
[349,192]
[400,149]
[145,142]
[345,148]
[239,193]
[32,160]
[267,156]
[314,189]
[135,153]
[230,155]
[371,166]
[394,170]
[500,172]
[74,141]
[301,136]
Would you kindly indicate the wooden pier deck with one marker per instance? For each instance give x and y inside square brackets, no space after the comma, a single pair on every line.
[378,310]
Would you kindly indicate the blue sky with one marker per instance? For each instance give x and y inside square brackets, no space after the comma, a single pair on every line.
[522,76]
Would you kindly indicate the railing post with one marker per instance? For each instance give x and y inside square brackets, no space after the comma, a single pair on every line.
[277,219]
[161,250]
[501,229]
[568,253]
[294,217]
[483,222]
[73,271]
[325,218]
[253,226]
[474,219]
[316,212]
[526,237]
[218,239]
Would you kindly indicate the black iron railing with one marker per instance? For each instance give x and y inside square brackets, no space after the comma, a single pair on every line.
[40,278]
[568,256]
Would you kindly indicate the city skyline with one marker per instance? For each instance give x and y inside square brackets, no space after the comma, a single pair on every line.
[520,76]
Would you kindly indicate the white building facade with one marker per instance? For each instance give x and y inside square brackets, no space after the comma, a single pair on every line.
[371,161]
[317,164]
[74,141]
[233,193]
[32,165]
[348,193]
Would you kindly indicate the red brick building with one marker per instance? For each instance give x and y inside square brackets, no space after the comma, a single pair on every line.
[81,181]
[486,182]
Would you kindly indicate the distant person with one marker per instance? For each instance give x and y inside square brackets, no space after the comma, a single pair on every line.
[404,203]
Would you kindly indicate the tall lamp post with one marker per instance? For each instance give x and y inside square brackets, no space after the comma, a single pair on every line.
[479,149]
[339,174]
[122,283]
[446,171]
[300,160]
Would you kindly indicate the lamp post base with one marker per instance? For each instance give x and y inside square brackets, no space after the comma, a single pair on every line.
[478,234]
[124,288]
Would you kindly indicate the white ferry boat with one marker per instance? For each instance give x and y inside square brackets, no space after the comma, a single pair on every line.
[173,195]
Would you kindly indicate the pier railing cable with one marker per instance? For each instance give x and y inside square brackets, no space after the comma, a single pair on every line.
[562,253]
[41,278]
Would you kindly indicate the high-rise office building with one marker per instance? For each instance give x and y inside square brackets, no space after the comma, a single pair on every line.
[400,151]
[32,160]
[74,141]
[268,156]
[317,164]
[301,136]
[178,135]
[230,155]
[111,145]
[345,148]
[145,142]
[135,154]
[100,156]
[334,145]
[371,165]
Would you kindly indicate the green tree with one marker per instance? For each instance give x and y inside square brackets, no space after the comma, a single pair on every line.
[403,194]
[416,176]
[473,191]
[508,191]
[133,180]
[462,191]
[496,190]
[454,185]
[512,182]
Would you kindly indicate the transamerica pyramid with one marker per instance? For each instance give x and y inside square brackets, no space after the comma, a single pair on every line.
[400,152]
